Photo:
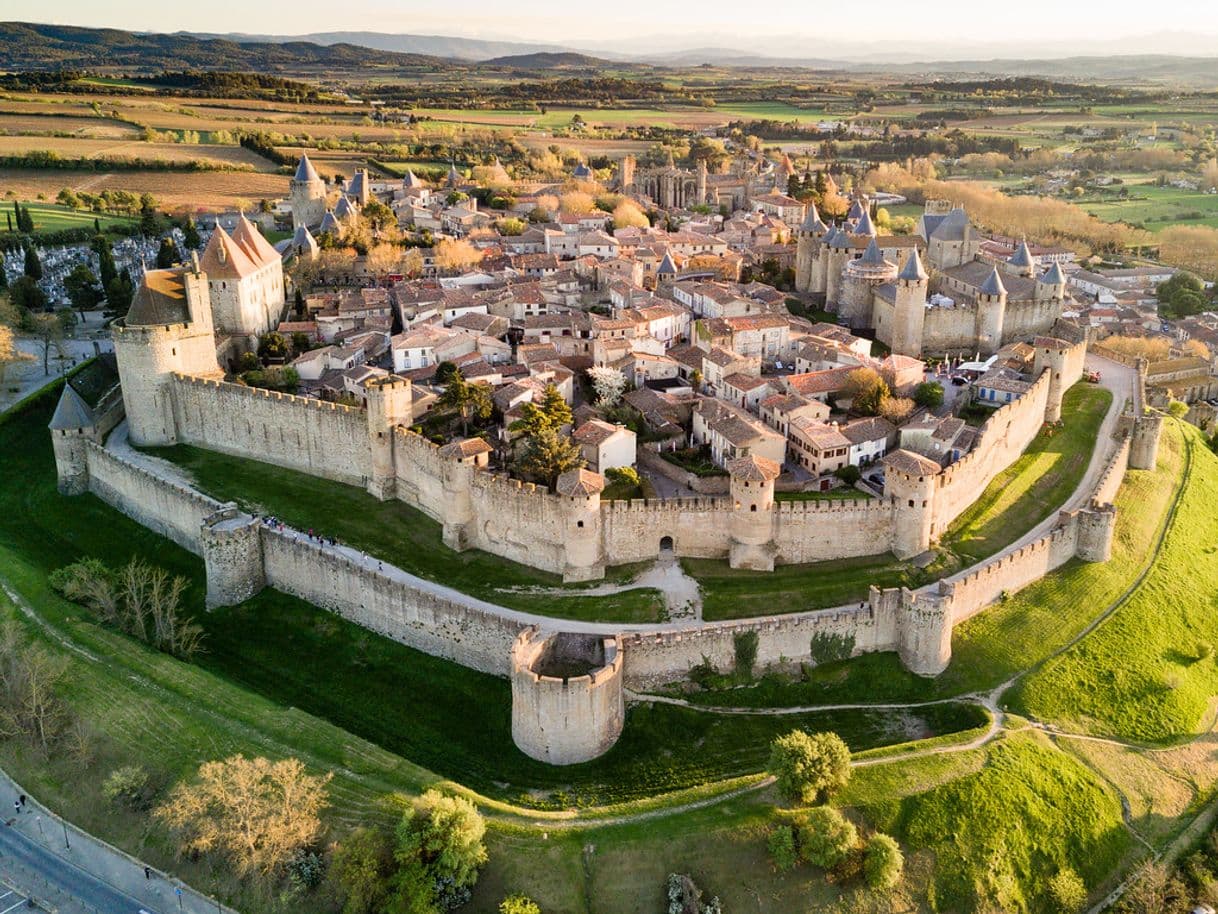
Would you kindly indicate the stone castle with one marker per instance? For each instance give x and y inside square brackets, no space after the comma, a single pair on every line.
[567,690]
[672,187]
[956,301]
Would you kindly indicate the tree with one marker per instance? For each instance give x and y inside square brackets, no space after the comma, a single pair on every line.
[167,254]
[82,289]
[929,395]
[547,455]
[190,234]
[456,255]
[33,265]
[1068,891]
[27,296]
[866,391]
[1177,409]
[609,385]
[412,263]
[382,259]
[107,272]
[896,409]
[48,334]
[556,409]
[362,867]
[519,904]
[30,679]
[781,844]
[882,862]
[469,401]
[273,347]
[442,836]
[445,372]
[809,767]
[119,293]
[1181,296]
[826,837]
[254,812]
[576,202]
[628,215]
[1153,890]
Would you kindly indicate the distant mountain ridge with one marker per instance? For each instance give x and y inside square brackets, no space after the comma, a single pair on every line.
[35,46]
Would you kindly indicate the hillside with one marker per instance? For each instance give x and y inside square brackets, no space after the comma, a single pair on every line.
[548,61]
[36,46]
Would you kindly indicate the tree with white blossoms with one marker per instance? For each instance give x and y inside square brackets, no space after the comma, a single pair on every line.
[608,383]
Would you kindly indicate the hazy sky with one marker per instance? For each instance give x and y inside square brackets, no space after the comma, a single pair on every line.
[551,20]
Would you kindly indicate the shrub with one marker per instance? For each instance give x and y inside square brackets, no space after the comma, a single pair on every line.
[745,645]
[882,862]
[809,767]
[305,870]
[826,837]
[519,904]
[929,394]
[1067,891]
[684,897]
[782,848]
[1205,650]
[849,474]
[626,475]
[128,787]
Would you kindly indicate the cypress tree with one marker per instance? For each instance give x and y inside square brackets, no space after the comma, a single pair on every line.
[33,266]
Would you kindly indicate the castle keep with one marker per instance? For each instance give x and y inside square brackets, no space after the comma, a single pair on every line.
[955,301]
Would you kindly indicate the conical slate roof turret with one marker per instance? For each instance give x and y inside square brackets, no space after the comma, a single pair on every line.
[1054,276]
[667,265]
[857,210]
[1022,256]
[305,170]
[873,255]
[865,226]
[812,221]
[72,412]
[993,284]
[913,270]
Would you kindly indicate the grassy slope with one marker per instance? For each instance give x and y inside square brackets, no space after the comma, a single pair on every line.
[1000,832]
[1036,484]
[49,217]
[398,533]
[1142,675]
[1008,637]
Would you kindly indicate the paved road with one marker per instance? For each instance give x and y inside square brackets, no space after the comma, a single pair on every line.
[50,879]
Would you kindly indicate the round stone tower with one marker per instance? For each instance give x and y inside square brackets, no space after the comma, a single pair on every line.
[909,308]
[461,460]
[807,245]
[752,524]
[1144,446]
[838,243]
[580,492]
[231,543]
[1096,526]
[307,195]
[862,278]
[1051,355]
[910,480]
[71,427]
[991,313]
[567,703]
[390,403]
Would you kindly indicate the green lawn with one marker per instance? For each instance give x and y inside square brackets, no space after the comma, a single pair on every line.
[1010,636]
[51,217]
[1000,833]
[729,593]
[398,533]
[1148,673]
[843,492]
[1034,486]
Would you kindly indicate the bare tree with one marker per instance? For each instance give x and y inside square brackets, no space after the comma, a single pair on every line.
[30,706]
[255,812]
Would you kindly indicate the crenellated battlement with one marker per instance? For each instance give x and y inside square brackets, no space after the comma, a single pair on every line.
[264,394]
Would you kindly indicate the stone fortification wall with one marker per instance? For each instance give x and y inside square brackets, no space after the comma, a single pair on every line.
[420,473]
[172,510]
[656,658]
[1002,439]
[1114,474]
[702,485]
[1028,318]
[816,531]
[947,329]
[427,621]
[699,528]
[312,436]
[976,590]
[517,520]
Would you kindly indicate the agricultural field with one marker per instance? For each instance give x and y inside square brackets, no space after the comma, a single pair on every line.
[85,125]
[179,192]
[236,157]
[1155,208]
